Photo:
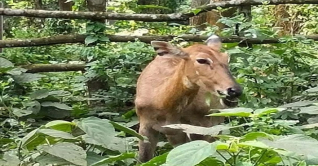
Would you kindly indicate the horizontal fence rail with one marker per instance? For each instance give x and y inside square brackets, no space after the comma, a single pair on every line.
[143,17]
[65,39]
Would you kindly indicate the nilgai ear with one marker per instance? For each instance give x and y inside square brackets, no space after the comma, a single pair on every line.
[215,42]
[166,49]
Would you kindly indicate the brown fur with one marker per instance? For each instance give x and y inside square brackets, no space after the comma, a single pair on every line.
[172,88]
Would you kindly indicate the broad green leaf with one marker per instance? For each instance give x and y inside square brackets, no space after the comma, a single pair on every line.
[33,106]
[57,105]
[4,63]
[297,143]
[222,146]
[241,163]
[20,113]
[190,154]
[211,161]
[312,110]
[254,135]
[31,140]
[104,38]
[112,159]
[213,131]
[48,159]
[196,11]
[26,78]
[126,130]
[156,161]
[16,71]
[68,151]
[90,39]
[93,158]
[9,159]
[61,125]
[238,112]
[309,126]
[312,90]
[256,144]
[100,130]
[39,94]
[266,111]
[56,133]
[298,104]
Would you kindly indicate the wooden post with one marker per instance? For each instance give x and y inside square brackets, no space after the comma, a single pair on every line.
[1,26]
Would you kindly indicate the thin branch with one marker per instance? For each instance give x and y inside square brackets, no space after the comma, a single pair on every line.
[37,68]
[226,160]
[92,15]
[142,17]
[64,39]
[235,3]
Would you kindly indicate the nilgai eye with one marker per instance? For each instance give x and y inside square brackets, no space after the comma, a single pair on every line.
[203,61]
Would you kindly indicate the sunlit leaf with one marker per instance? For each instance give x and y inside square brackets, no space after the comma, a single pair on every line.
[127,130]
[56,133]
[213,131]
[100,130]
[156,161]
[68,151]
[61,106]
[40,94]
[190,154]
[238,112]
[112,159]
[4,63]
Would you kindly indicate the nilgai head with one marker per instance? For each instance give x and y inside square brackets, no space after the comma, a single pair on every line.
[207,67]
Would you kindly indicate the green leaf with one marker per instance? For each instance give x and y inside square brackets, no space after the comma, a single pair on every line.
[267,111]
[26,78]
[297,143]
[298,104]
[112,159]
[254,135]
[190,154]
[238,112]
[196,11]
[9,159]
[20,113]
[256,144]
[126,130]
[31,140]
[312,90]
[48,159]
[156,161]
[61,125]
[56,133]
[68,151]
[100,130]
[312,110]
[39,94]
[211,161]
[104,38]
[4,63]
[57,105]
[213,131]
[93,158]
[241,163]
[90,39]
[309,126]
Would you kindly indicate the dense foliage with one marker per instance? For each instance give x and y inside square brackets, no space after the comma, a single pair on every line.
[49,118]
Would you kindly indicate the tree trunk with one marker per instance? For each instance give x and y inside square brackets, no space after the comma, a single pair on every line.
[285,21]
[210,17]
